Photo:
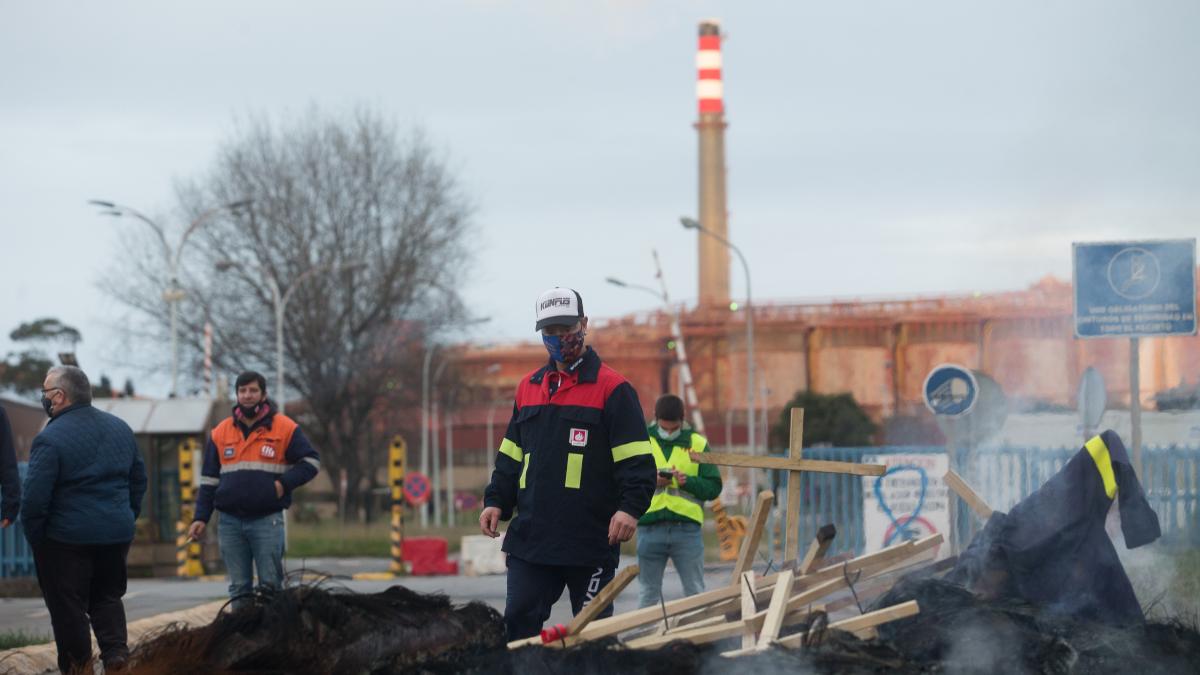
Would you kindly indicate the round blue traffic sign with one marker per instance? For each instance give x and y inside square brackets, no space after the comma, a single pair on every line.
[950,390]
[416,488]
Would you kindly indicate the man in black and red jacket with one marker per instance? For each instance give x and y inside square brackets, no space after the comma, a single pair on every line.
[577,466]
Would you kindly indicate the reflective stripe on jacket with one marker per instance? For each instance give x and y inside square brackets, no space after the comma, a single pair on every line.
[671,497]
[241,466]
[574,454]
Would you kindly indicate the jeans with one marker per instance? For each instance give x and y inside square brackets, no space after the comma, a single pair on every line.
[533,589]
[82,586]
[247,541]
[682,543]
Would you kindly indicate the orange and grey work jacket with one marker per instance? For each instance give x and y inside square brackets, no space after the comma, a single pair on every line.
[241,465]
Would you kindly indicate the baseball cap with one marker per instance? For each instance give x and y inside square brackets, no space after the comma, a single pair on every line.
[558,307]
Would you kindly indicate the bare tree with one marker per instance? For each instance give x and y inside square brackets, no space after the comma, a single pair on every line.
[380,215]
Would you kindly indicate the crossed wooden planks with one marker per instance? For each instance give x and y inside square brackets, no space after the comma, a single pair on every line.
[802,596]
[791,595]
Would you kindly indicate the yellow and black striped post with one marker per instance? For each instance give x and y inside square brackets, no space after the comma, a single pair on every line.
[397,459]
[187,554]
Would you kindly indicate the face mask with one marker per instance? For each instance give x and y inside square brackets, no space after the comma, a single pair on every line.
[47,406]
[564,348]
[248,412]
[669,435]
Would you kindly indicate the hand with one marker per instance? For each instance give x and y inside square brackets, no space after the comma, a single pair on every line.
[196,531]
[663,482]
[621,527]
[278,490]
[5,523]
[680,477]
[489,520]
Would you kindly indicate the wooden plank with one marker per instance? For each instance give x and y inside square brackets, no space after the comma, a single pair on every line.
[753,534]
[791,618]
[788,464]
[878,617]
[818,548]
[801,602]
[717,609]
[776,611]
[800,615]
[968,494]
[872,563]
[724,600]
[699,636]
[581,620]
[749,604]
[862,624]
[809,596]
[791,536]
[602,600]
[625,621]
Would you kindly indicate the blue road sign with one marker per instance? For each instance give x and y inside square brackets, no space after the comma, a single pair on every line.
[1135,288]
[950,390]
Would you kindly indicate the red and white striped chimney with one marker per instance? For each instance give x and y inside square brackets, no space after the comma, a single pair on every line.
[708,66]
[710,128]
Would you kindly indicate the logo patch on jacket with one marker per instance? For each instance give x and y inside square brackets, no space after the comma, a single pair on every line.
[228,452]
[579,437]
[267,451]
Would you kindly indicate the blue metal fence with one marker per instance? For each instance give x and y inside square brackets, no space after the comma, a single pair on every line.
[16,559]
[1002,476]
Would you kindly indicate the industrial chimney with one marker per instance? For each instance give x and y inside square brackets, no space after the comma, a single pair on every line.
[714,256]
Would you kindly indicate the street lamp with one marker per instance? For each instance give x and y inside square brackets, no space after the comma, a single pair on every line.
[693,224]
[686,384]
[280,299]
[425,414]
[623,284]
[172,294]
[491,416]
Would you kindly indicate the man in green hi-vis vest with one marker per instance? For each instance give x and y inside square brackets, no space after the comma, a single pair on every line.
[670,528]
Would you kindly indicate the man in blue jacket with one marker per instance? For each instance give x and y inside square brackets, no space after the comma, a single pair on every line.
[254,460]
[82,494]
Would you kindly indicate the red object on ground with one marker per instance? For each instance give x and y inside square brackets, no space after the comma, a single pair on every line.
[554,633]
[427,556]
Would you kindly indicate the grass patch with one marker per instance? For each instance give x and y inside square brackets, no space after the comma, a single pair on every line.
[328,539]
[13,639]
[356,540]
[1187,573]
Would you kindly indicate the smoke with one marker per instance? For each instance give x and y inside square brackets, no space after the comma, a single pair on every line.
[979,648]
[1164,580]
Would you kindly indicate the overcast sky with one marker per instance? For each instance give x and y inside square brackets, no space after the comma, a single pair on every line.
[874,148]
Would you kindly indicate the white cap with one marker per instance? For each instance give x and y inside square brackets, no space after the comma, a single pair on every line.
[558,306]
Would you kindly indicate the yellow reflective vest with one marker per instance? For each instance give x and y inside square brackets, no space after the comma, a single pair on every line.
[671,497]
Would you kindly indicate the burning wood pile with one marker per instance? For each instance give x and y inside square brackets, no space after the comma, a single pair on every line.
[1039,589]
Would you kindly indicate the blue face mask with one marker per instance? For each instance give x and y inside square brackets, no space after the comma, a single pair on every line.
[564,348]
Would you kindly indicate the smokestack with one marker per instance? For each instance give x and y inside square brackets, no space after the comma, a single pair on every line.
[714,256]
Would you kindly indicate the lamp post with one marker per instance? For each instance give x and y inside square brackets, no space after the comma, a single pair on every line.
[687,385]
[491,416]
[172,294]
[280,298]
[751,422]
[435,425]
[425,413]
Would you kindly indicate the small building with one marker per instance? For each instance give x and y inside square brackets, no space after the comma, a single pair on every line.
[161,427]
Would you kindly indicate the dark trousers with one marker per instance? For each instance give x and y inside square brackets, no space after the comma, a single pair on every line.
[533,589]
[82,586]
